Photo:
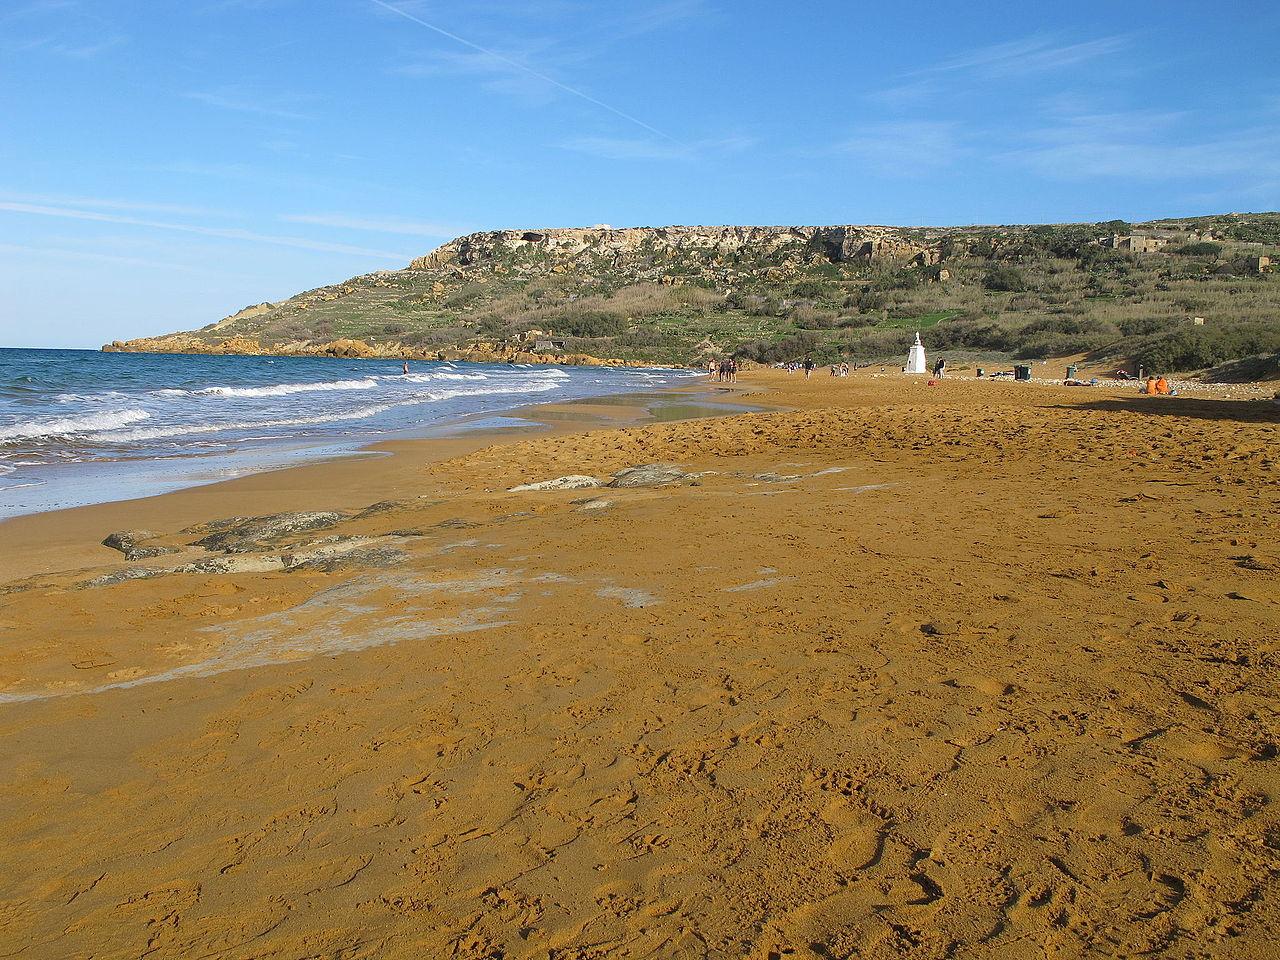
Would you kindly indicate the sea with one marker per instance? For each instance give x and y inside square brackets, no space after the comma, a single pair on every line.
[80,427]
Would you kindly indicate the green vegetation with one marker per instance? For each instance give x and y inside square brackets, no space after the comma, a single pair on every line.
[1009,291]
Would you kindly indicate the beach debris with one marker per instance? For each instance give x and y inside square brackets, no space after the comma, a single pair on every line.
[572,482]
[94,659]
[252,534]
[126,541]
[649,475]
[940,628]
[596,503]
[776,477]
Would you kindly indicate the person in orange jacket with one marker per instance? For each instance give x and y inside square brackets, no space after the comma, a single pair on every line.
[1151,387]
[1162,386]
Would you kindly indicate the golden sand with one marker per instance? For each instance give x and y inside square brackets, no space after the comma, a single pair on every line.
[983,670]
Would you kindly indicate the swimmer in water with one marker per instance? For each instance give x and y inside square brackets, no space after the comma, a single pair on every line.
[406,368]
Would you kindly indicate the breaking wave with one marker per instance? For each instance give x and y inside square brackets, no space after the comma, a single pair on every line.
[70,426]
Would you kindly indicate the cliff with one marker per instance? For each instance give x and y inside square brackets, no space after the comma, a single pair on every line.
[680,293]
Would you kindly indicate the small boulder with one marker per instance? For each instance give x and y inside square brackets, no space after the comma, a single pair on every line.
[248,534]
[572,482]
[649,475]
[126,541]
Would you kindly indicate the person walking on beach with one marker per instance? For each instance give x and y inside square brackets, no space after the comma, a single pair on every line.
[808,367]
[939,368]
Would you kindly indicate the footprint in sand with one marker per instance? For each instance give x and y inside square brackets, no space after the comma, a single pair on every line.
[859,836]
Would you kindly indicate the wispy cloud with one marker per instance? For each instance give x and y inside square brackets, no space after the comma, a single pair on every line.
[392,225]
[1151,146]
[495,56]
[65,254]
[108,203]
[225,233]
[625,148]
[1027,55]
[64,28]
[242,101]
[902,148]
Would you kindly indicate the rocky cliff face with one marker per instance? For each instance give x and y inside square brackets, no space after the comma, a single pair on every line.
[587,245]
[370,315]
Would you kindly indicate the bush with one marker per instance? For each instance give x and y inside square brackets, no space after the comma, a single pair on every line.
[588,323]
[809,289]
[1195,348]
[1204,248]
[1005,279]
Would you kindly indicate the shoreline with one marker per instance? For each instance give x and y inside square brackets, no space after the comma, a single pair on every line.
[78,473]
[882,669]
[43,541]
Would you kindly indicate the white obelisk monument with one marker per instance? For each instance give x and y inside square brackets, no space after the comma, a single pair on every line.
[915,359]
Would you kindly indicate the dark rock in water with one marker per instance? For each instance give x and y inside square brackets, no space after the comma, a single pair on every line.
[250,534]
[648,475]
[126,541]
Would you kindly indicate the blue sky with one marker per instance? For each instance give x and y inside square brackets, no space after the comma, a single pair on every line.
[164,164]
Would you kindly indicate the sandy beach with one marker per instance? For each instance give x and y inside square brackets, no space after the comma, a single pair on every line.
[881,670]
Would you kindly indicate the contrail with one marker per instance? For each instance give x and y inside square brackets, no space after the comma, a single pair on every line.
[524,69]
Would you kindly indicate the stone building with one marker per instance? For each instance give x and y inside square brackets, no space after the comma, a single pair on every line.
[1135,243]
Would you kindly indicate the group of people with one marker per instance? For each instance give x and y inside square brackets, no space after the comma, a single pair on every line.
[724,371]
[840,369]
[1157,387]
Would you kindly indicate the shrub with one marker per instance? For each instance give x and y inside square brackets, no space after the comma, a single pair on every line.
[1203,248]
[1195,348]
[1005,279]
[588,323]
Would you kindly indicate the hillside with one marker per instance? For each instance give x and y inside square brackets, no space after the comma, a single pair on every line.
[1175,295]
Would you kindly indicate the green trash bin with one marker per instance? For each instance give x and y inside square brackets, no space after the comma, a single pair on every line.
[1071,371]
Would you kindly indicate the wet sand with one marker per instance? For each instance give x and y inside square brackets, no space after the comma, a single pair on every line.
[978,670]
